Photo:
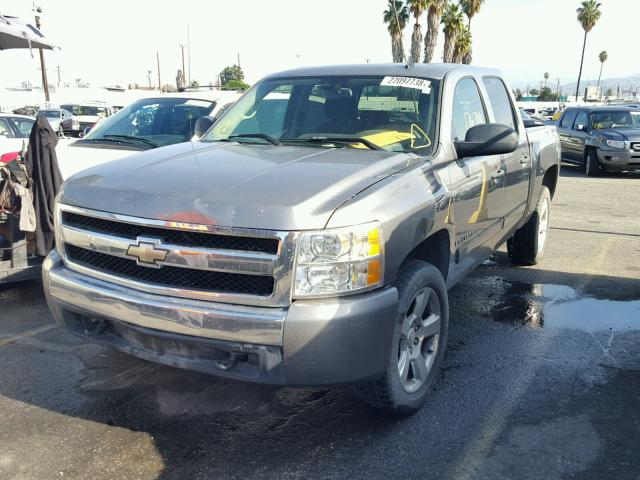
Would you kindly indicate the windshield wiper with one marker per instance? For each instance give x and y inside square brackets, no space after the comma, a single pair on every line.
[263,136]
[131,139]
[344,140]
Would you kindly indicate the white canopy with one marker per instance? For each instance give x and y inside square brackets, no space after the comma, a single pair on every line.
[16,34]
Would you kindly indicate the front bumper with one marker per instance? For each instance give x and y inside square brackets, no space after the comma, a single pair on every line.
[311,342]
[619,160]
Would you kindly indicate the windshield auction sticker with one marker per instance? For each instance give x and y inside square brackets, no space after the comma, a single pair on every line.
[407,82]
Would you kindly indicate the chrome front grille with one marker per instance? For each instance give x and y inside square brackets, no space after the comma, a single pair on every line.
[231,265]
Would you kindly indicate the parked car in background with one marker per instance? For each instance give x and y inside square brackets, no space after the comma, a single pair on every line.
[14,132]
[86,115]
[601,138]
[311,236]
[142,125]
[61,120]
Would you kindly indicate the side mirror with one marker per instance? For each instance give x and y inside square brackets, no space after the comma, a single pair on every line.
[531,122]
[487,139]
[202,125]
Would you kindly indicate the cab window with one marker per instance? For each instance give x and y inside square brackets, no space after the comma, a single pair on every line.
[468,110]
[500,102]
[568,118]
[581,119]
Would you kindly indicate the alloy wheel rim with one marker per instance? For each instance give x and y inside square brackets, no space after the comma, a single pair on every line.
[419,339]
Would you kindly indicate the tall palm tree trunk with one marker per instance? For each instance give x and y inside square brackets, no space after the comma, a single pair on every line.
[468,57]
[584,45]
[600,76]
[397,49]
[416,43]
[449,47]
[431,38]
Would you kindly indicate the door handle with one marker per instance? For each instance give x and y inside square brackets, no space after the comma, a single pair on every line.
[524,160]
[496,175]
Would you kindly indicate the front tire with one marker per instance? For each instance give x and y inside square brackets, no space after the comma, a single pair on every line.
[418,344]
[591,163]
[529,243]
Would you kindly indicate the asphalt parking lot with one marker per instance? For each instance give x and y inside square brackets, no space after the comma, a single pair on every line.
[541,380]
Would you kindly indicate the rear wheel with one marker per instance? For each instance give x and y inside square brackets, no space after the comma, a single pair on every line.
[591,163]
[418,344]
[528,244]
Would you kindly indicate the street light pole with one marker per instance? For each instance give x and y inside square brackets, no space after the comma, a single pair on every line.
[158,59]
[45,82]
[189,53]
[184,72]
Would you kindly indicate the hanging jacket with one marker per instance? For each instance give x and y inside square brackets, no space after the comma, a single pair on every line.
[42,166]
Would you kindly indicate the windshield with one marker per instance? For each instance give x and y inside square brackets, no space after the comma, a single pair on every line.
[601,120]
[161,121]
[393,113]
[49,113]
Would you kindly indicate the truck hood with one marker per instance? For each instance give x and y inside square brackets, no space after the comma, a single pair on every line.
[74,157]
[235,185]
[631,134]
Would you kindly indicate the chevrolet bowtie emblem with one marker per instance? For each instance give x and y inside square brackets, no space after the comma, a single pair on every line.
[147,253]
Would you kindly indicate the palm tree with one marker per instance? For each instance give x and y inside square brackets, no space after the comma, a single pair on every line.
[470,8]
[396,16]
[588,14]
[546,78]
[463,45]
[436,8]
[604,56]
[416,8]
[453,24]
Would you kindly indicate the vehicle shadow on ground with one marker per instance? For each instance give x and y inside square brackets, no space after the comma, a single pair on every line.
[570,170]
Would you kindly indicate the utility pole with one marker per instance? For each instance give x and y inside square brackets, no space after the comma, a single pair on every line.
[58,68]
[184,72]
[45,82]
[189,52]
[149,77]
[238,59]
[158,59]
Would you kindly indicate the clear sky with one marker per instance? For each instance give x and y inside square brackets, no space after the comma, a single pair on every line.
[115,41]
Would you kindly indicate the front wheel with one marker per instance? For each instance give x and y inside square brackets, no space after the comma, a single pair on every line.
[418,344]
[591,163]
[528,244]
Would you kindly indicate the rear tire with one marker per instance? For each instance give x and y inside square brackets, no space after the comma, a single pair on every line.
[591,163]
[529,243]
[418,344]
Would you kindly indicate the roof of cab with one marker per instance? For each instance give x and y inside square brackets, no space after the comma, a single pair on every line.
[605,108]
[435,71]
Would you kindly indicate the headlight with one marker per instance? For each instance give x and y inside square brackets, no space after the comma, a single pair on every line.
[334,261]
[617,144]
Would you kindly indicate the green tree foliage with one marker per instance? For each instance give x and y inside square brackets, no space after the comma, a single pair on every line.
[453,22]
[518,94]
[232,72]
[235,85]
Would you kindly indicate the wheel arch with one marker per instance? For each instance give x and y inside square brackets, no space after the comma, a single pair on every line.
[550,179]
[436,250]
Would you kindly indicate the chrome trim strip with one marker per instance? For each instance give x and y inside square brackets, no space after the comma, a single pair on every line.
[75,292]
[281,264]
[250,263]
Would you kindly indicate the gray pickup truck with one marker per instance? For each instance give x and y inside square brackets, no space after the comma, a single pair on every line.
[601,138]
[310,238]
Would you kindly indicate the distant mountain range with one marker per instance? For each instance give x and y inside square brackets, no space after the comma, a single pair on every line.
[631,82]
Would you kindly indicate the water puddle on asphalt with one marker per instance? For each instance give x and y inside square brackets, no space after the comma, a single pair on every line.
[560,306]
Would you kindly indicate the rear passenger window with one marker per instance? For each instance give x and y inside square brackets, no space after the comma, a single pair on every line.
[468,110]
[581,118]
[500,102]
[568,118]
